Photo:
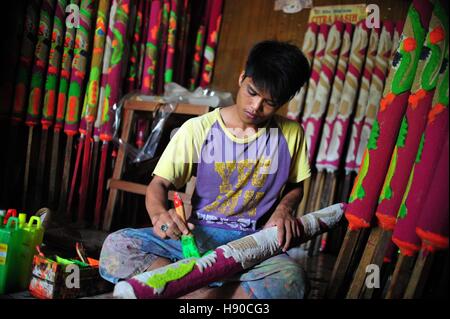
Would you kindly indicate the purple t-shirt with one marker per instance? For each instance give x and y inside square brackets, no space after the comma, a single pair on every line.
[239,180]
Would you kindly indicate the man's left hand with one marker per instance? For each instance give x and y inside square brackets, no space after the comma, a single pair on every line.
[287,226]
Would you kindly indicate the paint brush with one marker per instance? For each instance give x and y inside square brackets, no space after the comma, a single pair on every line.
[188,244]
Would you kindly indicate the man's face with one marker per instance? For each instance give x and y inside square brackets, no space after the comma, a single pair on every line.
[254,107]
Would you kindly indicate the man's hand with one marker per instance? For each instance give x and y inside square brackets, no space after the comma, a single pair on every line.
[176,226]
[287,226]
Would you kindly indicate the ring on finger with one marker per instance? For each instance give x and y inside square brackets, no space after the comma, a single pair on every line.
[164,227]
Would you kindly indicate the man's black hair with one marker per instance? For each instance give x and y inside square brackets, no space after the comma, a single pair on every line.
[278,68]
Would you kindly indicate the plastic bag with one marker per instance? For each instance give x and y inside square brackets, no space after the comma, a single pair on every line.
[173,94]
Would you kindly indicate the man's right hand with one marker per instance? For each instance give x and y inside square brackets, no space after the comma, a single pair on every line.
[175,225]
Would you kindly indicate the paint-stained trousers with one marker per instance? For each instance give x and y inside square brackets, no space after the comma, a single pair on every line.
[129,252]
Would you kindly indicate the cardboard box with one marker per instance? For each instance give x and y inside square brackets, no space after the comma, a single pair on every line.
[52,280]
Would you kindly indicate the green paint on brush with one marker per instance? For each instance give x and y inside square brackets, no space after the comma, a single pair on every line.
[159,281]
[189,246]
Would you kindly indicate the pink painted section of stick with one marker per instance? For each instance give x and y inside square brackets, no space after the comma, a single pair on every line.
[105,68]
[432,227]
[113,86]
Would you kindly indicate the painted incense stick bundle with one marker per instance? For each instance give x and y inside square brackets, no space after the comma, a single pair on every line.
[91,99]
[199,44]
[76,97]
[367,186]
[315,112]
[162,48]
[171,41]
[187,275]
[50,95]
[21,87]
[324,190]
[295,106]
[338,86]
[112,92]
[63,89]
[102,101]
[25,61]
[214,23]
[133,62]
[432,144]
[415,119]
[315,69]
[336,94]
[364,47]
[404,154]
[366,114]
[151,48]
[40,63]
[37,84]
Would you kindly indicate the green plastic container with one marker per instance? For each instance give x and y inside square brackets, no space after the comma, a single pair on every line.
[9,247]
[31,235]
[18,241]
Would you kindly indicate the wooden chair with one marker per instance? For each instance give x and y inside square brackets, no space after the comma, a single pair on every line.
[116,184]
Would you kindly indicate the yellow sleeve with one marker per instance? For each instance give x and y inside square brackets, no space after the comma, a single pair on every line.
[300,169]
[177,161]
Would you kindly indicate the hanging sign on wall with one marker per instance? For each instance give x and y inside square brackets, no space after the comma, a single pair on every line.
[346,13]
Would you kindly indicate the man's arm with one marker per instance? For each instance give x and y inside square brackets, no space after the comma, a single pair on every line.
[292,196]
[156,204]
[284,215]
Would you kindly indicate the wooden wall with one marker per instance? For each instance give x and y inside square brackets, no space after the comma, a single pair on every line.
[246,22]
